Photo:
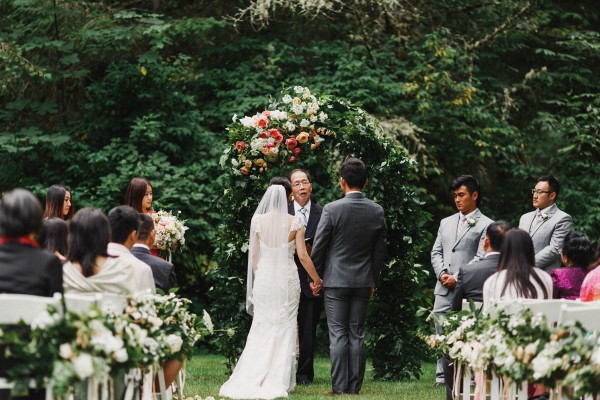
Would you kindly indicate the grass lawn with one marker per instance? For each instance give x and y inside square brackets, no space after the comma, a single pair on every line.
[206,374]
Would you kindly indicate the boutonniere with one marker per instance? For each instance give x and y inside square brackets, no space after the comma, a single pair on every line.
[472,221]
[544,216]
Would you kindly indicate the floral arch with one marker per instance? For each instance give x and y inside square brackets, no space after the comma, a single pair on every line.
[301,130]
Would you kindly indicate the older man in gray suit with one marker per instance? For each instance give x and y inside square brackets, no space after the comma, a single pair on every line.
[349,251]
[459,241]
[547,225]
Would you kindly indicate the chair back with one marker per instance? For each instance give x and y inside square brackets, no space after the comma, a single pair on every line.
[81,302]
[24,307]
[551,308]
[586,313]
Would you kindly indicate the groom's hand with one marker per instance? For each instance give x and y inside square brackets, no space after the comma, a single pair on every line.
[449,281]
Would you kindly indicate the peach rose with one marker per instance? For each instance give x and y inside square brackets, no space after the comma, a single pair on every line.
[240,145]
[302,137]
[260,162]
[244,170]
[248,164]
[297,100]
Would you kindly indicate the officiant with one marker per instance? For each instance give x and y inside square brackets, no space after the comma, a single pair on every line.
[310,307]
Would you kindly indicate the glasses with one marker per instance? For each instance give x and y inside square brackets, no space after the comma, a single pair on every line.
[538,191]
[301,183]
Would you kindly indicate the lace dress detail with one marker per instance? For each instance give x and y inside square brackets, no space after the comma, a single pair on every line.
[265,370]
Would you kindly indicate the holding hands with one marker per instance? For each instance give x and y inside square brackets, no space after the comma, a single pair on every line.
[316,287]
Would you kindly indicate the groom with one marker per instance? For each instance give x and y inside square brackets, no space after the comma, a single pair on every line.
[348,252]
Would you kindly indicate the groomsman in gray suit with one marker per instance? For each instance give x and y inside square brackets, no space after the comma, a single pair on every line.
[547,225]
[459,241]
[349,251]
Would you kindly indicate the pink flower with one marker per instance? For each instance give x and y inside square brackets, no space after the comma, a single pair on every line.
[278,138]
[292,159]
[296,151]
[240,145]
[263,135]
[262,121]
[291,143]
[266,113]
[269,145]
[273,132]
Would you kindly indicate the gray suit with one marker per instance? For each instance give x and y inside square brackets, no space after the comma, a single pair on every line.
[547,236]
[450,252]
[349,251]
[471,277]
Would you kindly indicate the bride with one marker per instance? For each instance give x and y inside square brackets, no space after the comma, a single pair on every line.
[265,368]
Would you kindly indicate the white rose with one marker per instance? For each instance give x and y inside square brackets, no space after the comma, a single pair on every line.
[287,99]
[247,122]
[155,320]
[290,126]
[121,355]
[83,365]
[234,119]
[298,89]
[42,321]
[65,351]
[304,123]
[322,116]
[174,343]
[297,108]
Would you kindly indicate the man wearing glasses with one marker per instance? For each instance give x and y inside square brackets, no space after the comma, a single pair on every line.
[310,306]
[547,225]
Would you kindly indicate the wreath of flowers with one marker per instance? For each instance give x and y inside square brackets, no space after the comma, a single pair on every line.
[289,129]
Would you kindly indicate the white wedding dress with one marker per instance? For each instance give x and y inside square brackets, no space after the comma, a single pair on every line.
[265,370]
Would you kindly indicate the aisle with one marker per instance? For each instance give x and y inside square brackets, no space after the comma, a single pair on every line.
[206,373]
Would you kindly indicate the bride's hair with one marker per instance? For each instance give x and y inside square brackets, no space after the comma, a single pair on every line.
[280,180]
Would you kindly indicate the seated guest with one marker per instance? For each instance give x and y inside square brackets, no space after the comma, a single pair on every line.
[24,268]
[517,276]
[89,268]
[575,256]
[53,237]
[124,222]
[163,271]
[590,288]
[471,277]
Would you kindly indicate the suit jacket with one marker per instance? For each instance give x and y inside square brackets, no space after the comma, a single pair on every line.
[349,248]
[548,236]
[314,217]
[162,270]
[27,270]
[141,271]
[471,277]
[450,252]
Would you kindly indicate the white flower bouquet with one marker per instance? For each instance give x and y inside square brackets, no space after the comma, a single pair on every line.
[170,231]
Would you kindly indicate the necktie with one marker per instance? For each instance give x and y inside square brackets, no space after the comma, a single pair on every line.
[304,211]
[536,220]
[461,225]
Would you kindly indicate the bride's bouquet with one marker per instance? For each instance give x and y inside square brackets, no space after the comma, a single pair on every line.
[170,231]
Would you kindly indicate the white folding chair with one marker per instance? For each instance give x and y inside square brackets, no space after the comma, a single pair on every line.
[465,304]
[81,302]
[586,313]
[26,308]
[551,308]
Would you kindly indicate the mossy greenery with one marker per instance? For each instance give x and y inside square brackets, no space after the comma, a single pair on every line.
[326,131]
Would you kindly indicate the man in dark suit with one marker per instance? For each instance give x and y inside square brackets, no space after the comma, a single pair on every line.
[310,306]
[471,277]
[349,251]
[162,270]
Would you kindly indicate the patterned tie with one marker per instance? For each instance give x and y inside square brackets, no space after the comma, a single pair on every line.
[461,225]
[536,220]
[304,211]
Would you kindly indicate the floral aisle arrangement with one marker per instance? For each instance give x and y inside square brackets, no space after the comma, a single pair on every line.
[289,129]
[62,350]
[519,346]
[170,231]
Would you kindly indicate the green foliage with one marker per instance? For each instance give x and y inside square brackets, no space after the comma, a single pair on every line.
[395,348]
